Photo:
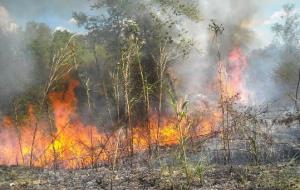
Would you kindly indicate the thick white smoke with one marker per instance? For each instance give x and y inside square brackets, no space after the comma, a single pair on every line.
[236,16]
[6,23]
[15,67]
[239,18]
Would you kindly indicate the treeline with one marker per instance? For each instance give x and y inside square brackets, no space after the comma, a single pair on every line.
[121,60]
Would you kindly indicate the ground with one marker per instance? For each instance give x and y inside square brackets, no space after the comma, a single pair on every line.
[216,177]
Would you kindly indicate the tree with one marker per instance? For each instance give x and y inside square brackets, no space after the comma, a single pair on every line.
[38,37]
[140,44]
[287,37]
[287,30]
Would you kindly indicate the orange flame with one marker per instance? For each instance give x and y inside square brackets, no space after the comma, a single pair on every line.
[63,139]
[66,141]
[237,65]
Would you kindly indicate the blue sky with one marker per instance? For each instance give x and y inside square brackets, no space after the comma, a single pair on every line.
[267,14]
[57,13]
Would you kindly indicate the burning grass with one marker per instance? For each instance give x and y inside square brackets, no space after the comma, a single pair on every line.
[60,138]
[65,140]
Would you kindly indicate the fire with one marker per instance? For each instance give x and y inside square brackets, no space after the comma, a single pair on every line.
[62,139]
[237,63]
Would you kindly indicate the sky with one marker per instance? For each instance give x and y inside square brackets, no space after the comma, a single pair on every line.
[55,13]
[269,13]
[58,14]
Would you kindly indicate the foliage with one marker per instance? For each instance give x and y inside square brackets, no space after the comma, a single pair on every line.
[287,36]
[133,32]
[182,8]
[38,37]
[122,63]
[287,30]
[200,170]
[281,178]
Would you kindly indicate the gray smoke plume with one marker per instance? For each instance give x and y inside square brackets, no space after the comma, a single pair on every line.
[236,16]
[15,66]
[194,77]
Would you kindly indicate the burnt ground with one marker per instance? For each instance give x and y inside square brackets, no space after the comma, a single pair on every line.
[216,177]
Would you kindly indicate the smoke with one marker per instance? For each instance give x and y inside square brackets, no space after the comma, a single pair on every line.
[198,74]
[237,17]
[15,66]
[262,63]
[6,24]
[194,77]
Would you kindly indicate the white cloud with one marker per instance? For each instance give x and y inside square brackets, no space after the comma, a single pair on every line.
[60,28]
[73,21]
[276,17]
[6,23]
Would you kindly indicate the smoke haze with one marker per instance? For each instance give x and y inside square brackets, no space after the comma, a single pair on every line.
[239,19]
[193,77]
[15,65]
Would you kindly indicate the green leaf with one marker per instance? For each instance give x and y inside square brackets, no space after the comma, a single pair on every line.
[184,105]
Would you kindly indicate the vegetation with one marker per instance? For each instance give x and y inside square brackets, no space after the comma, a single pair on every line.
[125,87]
[287,37]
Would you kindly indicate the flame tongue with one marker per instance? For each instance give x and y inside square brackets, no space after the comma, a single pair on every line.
[64,105]
[237,65]
[73,140]
[66,141]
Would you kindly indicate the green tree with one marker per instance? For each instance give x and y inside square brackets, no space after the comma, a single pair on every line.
[138,40]
[38,37]
[287,37]
[288,28]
